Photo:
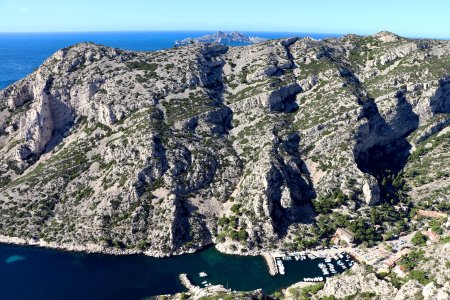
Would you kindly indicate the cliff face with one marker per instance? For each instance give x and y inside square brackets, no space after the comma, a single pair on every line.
[149,151]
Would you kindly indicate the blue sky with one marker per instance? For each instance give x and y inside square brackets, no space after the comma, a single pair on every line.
[421,18]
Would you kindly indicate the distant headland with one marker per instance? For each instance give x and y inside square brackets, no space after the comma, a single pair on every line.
[223,38]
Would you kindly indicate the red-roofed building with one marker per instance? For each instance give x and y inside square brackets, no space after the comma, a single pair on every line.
[431,235]
[343,234]
[394,259]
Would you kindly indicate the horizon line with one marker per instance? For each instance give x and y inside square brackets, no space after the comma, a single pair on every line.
[173,30]
[335,34]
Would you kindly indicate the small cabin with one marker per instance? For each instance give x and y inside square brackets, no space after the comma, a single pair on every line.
[343,234]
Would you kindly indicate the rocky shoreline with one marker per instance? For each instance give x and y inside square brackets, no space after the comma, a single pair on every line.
[98,249]
[269,258]
[199,291]
[90,248]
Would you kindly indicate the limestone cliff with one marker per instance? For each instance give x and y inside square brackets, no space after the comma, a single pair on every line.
[166,151]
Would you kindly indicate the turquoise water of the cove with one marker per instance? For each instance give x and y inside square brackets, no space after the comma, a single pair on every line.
[14,258]
[50,274]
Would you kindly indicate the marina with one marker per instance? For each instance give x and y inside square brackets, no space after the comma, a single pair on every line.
[331,264]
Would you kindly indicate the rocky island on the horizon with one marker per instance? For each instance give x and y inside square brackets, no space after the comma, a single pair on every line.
[225,38]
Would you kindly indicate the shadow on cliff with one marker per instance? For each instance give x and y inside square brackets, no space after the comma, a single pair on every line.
[63,121]
[182,226]
[157,163]
[220,116]
[289,191]
[440,102]
[284,99]
[381,148]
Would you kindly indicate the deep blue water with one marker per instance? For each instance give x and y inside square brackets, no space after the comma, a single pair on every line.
[21,53]
[38,273]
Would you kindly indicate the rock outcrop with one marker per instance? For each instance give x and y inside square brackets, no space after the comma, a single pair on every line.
[164,152]
[357,281]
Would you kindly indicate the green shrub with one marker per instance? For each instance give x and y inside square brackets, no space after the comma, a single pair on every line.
[235,208]
[242,235]
[419,239]
[143,66]
[420,276]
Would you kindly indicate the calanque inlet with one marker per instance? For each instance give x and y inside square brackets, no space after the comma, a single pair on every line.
[282,146]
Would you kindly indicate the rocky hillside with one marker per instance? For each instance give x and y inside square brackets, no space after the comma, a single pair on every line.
[428,281]
[248,147]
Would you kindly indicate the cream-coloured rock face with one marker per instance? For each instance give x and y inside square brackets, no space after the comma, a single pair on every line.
[164,152]
[371,191]
[38,128]
[358,282]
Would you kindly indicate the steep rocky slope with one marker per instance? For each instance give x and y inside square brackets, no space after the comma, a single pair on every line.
[360,283]
[167,151]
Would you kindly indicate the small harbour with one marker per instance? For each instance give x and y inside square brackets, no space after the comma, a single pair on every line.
[38,273]
[329,264]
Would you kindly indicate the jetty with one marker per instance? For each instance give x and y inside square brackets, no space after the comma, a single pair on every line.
[271,263]
[187,283]
[199,291]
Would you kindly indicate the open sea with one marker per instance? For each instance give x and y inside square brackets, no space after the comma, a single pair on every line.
[36,273]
